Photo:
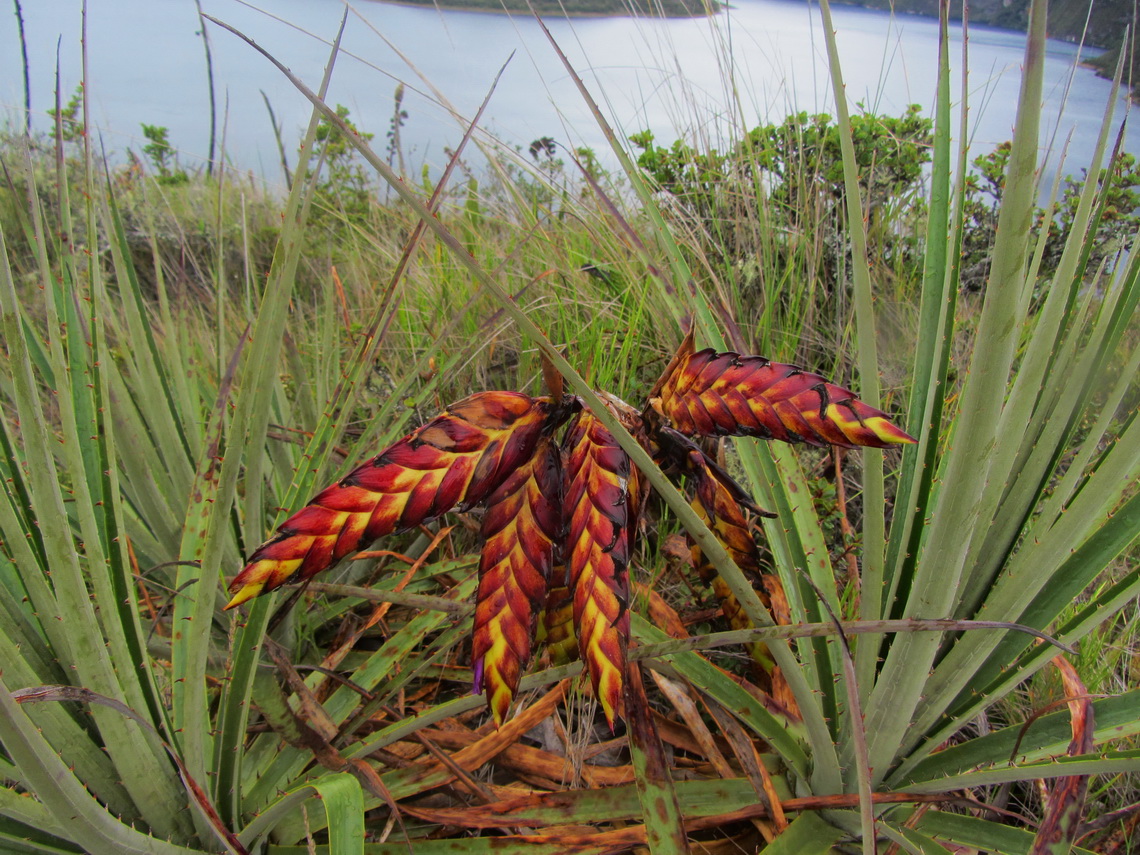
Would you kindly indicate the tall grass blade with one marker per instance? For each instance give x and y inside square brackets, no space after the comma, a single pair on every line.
[935,328]
[246,444]
[874,499]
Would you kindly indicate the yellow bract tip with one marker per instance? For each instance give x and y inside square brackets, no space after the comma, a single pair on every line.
[888,432]
[500,704]
[248,592]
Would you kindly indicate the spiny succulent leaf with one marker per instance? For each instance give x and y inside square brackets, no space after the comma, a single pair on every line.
[726,394]
[520,527]
[455,460]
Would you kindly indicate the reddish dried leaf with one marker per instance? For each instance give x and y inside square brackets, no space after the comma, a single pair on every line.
[726,394]
[660,613]
[519,530]
[456,459]
[1064,807]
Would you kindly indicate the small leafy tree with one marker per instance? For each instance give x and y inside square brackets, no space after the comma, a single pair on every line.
[1117,220]
[770,214]
[797,157]
[69,123]
[162,156]
[347,186]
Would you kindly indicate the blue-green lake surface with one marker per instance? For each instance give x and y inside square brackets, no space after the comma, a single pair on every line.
[703,78]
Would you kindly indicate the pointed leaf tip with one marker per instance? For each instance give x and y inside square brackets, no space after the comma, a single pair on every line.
[888,432]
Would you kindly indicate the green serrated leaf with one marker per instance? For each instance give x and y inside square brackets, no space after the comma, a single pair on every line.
[342,799]
[807,834]
[979,833]
[64,795]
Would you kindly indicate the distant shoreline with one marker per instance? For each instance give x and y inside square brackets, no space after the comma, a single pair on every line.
[1102,28]
[517,7]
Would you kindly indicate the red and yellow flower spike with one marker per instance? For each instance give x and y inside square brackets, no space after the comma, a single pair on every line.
[599,519]
[726,394]
[456,459]
[556,627]
[717,504]
[721,503]
[520,527]
[560,522]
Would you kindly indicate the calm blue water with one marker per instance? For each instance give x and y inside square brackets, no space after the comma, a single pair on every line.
[147,65]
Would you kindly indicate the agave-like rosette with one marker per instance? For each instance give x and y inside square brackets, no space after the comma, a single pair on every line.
[726,394]
[520,527]
[455,460]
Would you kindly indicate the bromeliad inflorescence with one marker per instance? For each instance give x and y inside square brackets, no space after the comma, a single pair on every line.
[561,517]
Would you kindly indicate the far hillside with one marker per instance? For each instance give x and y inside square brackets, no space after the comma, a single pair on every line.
[580,8]
[1107,25]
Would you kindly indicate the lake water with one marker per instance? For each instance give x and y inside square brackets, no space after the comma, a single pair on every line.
[147,64]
